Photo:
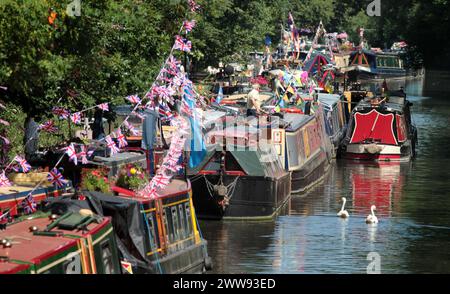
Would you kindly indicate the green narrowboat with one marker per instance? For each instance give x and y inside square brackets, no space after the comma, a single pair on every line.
[72,243]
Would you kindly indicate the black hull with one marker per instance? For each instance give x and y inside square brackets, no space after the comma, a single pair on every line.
[311,174]
[255,198]
[191,260]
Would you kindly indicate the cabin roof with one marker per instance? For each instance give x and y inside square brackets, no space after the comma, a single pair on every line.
[32,248]
[296,121]
[329,100]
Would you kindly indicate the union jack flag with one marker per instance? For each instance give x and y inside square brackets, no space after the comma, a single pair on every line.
[150,105]
[130,128]
[149,192]
[134,99]
[76,118]
[121,138]
[83,154]
[182,44]
[193,5]
[111,145]
[28,204]
[164,92]
[4,181]
[72,153]
[173,63]
[49,127]
[164,111]
[56,178]
[61,112]
[161,181]
[189,25]
[103,106]
[174,168]
[23,163]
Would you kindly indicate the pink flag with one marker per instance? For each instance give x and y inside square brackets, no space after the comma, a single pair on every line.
[103,106]
[76,118]
[111,145]
[189,25]
[134,99]
[26,167]
[121,138]
[4,181]
[49,127]
[71,152]
[182,44]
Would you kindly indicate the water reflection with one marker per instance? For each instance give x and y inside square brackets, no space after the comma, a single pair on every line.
[413,201]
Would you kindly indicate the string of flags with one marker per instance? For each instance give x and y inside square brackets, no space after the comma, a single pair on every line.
[159,94]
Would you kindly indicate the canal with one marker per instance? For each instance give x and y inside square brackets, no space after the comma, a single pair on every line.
[413,206]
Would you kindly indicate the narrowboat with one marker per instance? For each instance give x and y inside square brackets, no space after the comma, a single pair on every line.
[23,185]
[381,130]
[72,243]
[240,178]
[303,148]
[335,118]
[156,236]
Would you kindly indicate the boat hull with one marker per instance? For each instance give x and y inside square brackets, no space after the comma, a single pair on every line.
[254,198]
[311,174]
[362,152]
[190,260]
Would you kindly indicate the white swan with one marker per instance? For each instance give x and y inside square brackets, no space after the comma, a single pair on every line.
[343,213]
[371,218]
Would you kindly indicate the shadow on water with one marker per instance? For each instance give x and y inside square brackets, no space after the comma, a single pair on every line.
[413,205]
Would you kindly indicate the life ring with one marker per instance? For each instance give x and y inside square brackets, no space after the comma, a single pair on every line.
[292,110]
[228,103]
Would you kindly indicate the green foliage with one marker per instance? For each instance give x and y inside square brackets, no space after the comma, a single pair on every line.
[95,180]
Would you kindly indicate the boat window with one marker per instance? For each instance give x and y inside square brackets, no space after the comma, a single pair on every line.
[187,208]
[174,212]
[107,257]
[169,224]
[182,220]
[292,148]
[270,160]
[153,227]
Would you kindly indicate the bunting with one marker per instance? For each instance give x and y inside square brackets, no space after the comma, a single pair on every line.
[182,44]
[111,145]
[26,167]
[49,127]
[4,181]
[56,178]
[71,152]
[28,204]
[121,139]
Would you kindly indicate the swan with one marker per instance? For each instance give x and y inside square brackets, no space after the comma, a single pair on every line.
[371,218]
[343,213]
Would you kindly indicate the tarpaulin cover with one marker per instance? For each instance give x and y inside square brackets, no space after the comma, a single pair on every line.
[374,126]
[127,221]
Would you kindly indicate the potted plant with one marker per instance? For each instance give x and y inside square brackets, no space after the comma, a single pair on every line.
[95,180]
[132,177]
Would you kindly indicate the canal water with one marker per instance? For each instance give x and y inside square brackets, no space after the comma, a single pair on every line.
[413,207]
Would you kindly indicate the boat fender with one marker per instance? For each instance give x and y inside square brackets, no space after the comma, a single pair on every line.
[208,263]
[221,190]
[373,149]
